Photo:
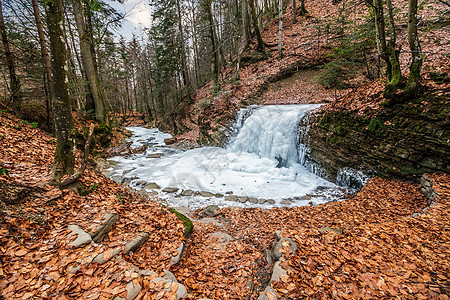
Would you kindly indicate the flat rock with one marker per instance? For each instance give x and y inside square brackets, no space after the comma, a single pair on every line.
[306,197]
[155,155]
[283,243]
[261,201]
[136,243]
[222,236]
[184,210]
[109,219]
[83,237]
[336,230]
[187,193]
[176,259]
[243,199]
[211,211]
[268,294]
[206,194]
[210,220]
[232,198]
[170,190]
[285,202]
[152,193]
[277,272]
[218,195]
[133,290]
[270,201]
[152,186]
[253,199]
[106,256]
[180,289]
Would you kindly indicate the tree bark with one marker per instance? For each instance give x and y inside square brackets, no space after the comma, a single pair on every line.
[294,11]
[303,10]
[246,36]
[88,63]
[256,27]
[393,54]
[185,74]
[62,114]
[412,86]
[45,58]
[280,29]
[212,35]
[13,79]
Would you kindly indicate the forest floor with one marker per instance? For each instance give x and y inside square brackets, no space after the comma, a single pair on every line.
[383,242]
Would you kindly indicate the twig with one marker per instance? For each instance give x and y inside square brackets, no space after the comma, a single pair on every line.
[80,172]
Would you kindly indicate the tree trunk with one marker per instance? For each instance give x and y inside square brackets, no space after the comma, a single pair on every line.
[213,45]
[13,79]
[303,10]
[88,63]
[294,11]
[412,86]
[393,54]
[256,27]
[62,113]
[45,58]
[280,29]
[381,36]
[185,74]
[246,36]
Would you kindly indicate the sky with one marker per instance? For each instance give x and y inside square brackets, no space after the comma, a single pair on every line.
[138,16]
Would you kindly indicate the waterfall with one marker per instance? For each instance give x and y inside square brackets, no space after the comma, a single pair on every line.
[271,132]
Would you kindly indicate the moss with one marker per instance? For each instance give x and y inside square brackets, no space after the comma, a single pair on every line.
[188,225]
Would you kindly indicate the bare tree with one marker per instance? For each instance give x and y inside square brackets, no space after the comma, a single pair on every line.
[280,28]
[412,85]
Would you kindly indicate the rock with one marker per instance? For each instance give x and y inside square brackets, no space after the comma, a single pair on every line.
[261,201]
[170,141]
[151,186]
[133,290]
[282,243]
[187,193]
[211,220]
[180,289]
[211,211]
[106,256]
[229,192]
[268,256]
[82,239]
[152,193]
[222,236]
[169,275]
[253,199]
[218,195]
[285,202]
[415,215]
[278,235]
[155,155]
[184,210]
[136,243]
[206,194]
[277,272]
[176,259]
[268,294]
[336,230]
[306,197]
[140,183]
[101,231]
[270,201]
[243,199]
[231,198]
[170,190]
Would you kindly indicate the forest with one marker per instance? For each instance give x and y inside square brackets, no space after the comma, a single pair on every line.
[224,149]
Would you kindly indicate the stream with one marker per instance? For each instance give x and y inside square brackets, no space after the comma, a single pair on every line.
[259,166]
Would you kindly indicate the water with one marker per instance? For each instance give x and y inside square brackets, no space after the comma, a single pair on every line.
[261,160]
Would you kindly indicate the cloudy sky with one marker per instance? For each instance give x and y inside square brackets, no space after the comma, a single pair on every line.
[138,15]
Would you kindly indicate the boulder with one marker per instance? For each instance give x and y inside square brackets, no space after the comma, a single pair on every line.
[253,199]
[206,194]
[151,186]
[170,190]
[231,198]
[99,233]
[136,243]
[243,199]
[187,193]
[176,259]
[170,141]
[82,239]
[211,211]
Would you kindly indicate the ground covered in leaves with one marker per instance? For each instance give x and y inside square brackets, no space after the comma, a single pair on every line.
[383,242]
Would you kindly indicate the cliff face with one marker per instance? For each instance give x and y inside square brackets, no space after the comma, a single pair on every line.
[401,140]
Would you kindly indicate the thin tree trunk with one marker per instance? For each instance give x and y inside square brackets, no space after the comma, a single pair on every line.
[186,76]
[412,86]
[256,27]
[381,35]
[13,79]
[396,73]
[45,58]
[212,35]
[280,29]
[246,36]
[303,10]
[62,114]
[294,11]
[88,63]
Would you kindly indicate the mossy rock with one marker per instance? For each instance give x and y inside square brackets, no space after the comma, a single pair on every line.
[188,225]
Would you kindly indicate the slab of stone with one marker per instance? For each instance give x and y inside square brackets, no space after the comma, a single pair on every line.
[152,193]
[155,155]
[184,210]
[99,233]
[206,194]
[169,275]
[253,199]
[211,211]
[283,242]
[270,201]
[277,272]
[170,190]
[232,198]
[222,236]
[136,243]
[268,294]
[152,186]
[306,197]
[218,195]
[210,220]
[187,193]
[285,202]
[176,259]
[336,230]
[261,201]
[133,290]
[106,256]
[181,290]
[82,239]
[243,199]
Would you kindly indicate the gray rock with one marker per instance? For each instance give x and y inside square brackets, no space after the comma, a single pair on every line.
[155,155]
[278,235]
[270,201]
[279,245]
[136,243]
[101,259]
[277,272]
[146,273]
[253,200]
[306,197]
[206,194]
[222,236]
[218,195]
[133,290]
[184,210]
[231,198]
[268,256]
[181,290]
[152,193]
[82,239]
[210,220]
[169,275]
[101,231]
[285,202]
[261,201]
[336,230]
[152,186]
[243,199]
[170,190]
[140,183]
[266,292]
[211,211]
[187,193]
[176,259]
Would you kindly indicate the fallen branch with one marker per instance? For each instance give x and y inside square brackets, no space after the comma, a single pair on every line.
[80,172]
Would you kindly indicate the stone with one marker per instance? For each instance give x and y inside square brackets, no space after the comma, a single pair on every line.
[181,291]
[133,290]
[222,236]
[231,198]
[106,256]
[109,219]
[270,201]
[169,275]
[280,244]
[277,272]
[184,210]
[155,155]
[82,239]
[253,199]
[261,201]
[170,141]
[336,230]
[278,235]
[218,195]
[206,194]
[229,192]
[140,183]
[306,197]
[151,186]
[415,215]
[187,193]
[268,294]
[210,220]
[136,243]
[152,193]
[176,259]
[285,202]
[268,256]
[243,199]
[170,190]
[211,211]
